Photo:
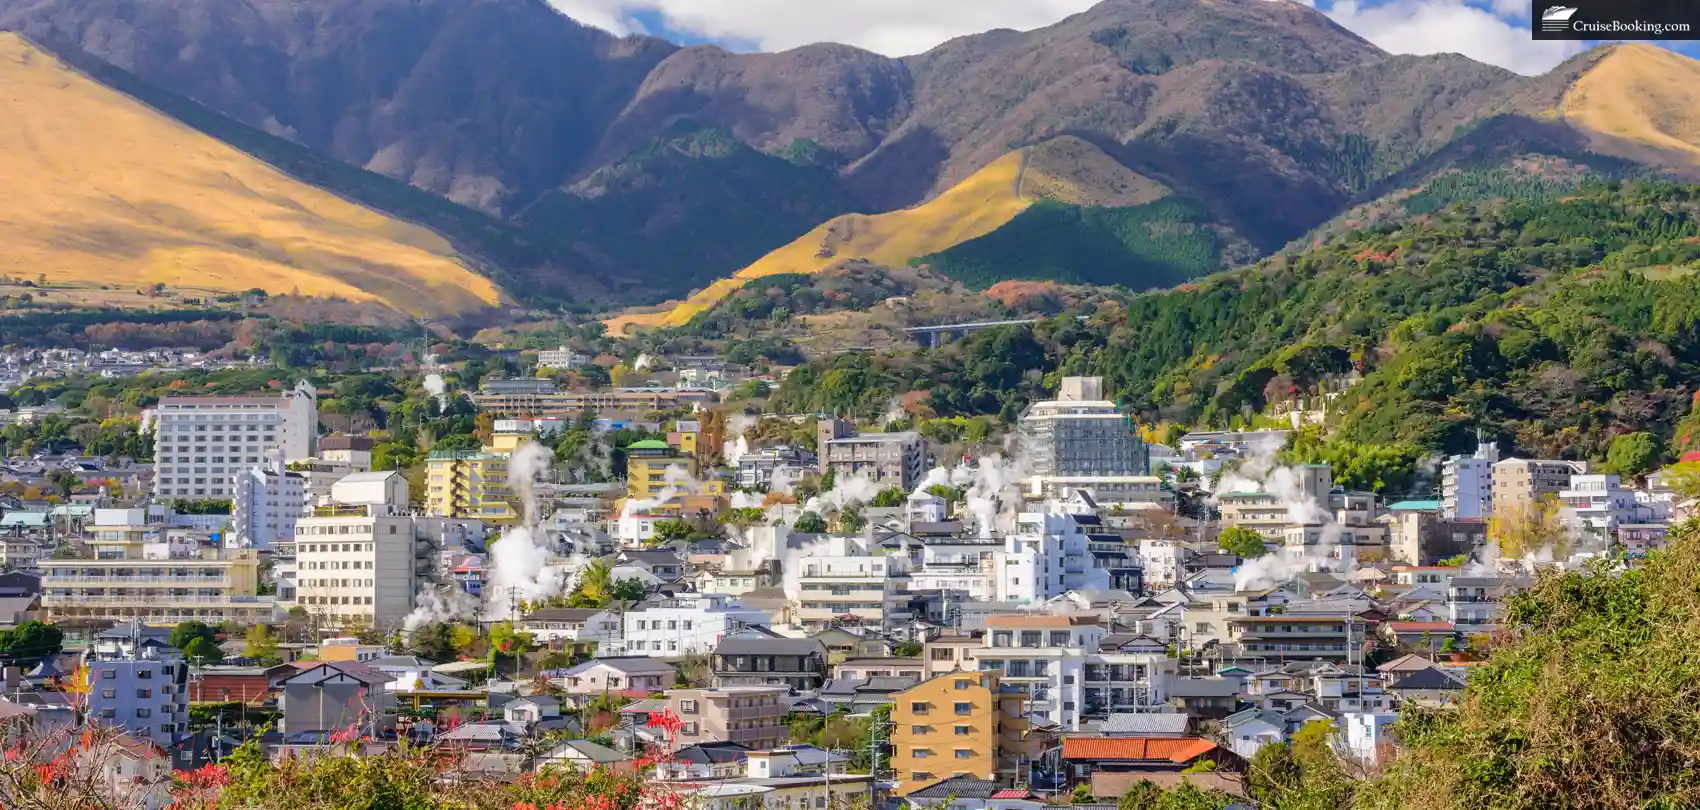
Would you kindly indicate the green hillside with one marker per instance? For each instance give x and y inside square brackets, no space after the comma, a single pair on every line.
[1158,244]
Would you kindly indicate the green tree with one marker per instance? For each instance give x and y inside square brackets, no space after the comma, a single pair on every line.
[851,518]
[630,589]
[1633,455]
[434,641]
[203,650]
[31,639]
[1242,541]
[906,649]
[810,523]
[744,516]
[666,531]
[893,496]
[188,631]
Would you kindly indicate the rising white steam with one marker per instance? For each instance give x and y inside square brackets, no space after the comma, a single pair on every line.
[519,561]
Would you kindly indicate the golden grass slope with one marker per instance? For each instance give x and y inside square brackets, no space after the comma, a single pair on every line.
[1066,169]
[1640,102]
[101,188]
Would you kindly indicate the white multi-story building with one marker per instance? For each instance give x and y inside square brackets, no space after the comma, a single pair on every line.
[959,565]
[201,442]
[1466,483]
[1596,505]
[1057,661]
[141,569]
[1048,555]
[1162,560]
[687,623]
[358,560]
[146,695]
[266,501]
[848,583]
[1081,435]
[1366,736]
[561,358]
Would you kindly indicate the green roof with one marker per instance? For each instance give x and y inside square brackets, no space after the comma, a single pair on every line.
[649,444]
[1415,506]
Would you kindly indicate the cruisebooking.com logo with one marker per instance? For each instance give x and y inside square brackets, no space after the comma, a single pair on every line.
[1648,19]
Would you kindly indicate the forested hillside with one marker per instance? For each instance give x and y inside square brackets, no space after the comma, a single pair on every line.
[1555,325]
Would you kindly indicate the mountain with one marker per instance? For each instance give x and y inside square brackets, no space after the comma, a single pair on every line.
[641,170]
[103,189]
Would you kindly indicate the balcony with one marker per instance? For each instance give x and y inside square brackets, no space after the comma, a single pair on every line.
[53,579]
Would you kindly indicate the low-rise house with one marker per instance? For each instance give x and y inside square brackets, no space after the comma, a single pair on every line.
[612,676]
[1251,729]
[584,756]
[487,735]
[1208,698]
[1082,756]
[334,695]
[861,696]
[752,658]
[558,628]
[752,716]
[1428,687]
[861,669]
[532,710]
[967,792]
[219,684]
[1145,724]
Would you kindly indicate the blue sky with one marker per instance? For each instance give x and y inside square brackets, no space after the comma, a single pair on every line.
[1492,31]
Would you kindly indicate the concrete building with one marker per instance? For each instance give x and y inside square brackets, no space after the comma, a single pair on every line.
[201,442]
[358,560]
[354,451]
[146,695]
[541,399]
[562,627]
[1080,434]
[846,584]
[887,459]
[647,463]
[758,658]
[267,500]
[1518,483]
[1056,661]
[1420,534]
[1594,506]
[144,570]
[561,358]
[336,695]
[1048,555]
[1466,483]
[960,723]
[761,468]
[690,623]
[752,716]
[469,485]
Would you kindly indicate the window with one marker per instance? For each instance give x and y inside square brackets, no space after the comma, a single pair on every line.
[920,729]
[964,708]
[964,683]
[144,693]
[688,706]
[109,694]
[964,753]
[963,731]
[144,712]
[688,728]
[920,776]
[923,753]
[918,708]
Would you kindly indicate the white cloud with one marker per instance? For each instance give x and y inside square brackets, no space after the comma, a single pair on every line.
[1449,26]
[901,27]
[891,27]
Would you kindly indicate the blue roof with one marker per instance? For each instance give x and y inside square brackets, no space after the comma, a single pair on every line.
[1415,506]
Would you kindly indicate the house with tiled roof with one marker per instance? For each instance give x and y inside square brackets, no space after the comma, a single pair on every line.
[971,793]
[1083,756]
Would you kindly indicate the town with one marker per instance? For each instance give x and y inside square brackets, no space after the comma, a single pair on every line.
[765,609]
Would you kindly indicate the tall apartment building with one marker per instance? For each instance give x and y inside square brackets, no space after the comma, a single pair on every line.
[144,570]
[1082,435]
[647,463]
[200,443]
[1518,483]
[266,501]
[686,624]
[753,716]
[1466,483]
[1057,663]
[887,459]
[1048,555]
[959,724]
[469,485]
[146,695]
[358,560]
[845,584]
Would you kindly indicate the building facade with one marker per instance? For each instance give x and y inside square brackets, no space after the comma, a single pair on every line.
[958,724]
[146,695]
[1466,483]
[647,463]
[144,570]
[1082,434]
[200,443]
[752,716]
[469,485]
[1519,483]
[887,459]
[686,624]
[266,501]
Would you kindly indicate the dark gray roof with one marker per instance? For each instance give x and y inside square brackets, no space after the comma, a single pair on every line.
[741,644]
[1427,679]
[889,684]
[592,751]
[628,664]
[957,787]
[712,753]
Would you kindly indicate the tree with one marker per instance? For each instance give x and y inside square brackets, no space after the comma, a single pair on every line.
[906,649]
[630,589]
[744,516]
[1525,527]
[1633,455]
[32,639]
[666,531]
[893,496]
[851,519]
[595,584]
[203,650]
[1242,541]
[260,642]
[188,631]
[433,641]
[810,523]
[65,482]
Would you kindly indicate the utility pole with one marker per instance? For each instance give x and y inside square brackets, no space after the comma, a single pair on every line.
[874,760]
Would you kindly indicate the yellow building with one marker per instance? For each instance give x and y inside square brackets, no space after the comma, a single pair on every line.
[470,485]
[153,574]
[958,724]
[646,467]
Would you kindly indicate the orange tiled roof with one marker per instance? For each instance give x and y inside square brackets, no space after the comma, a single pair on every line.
[1173,749]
